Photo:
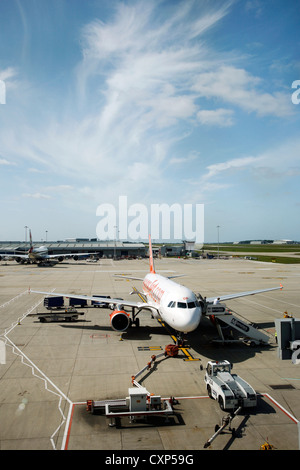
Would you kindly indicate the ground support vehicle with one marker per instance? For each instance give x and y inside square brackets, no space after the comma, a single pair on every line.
[69,314]
[226,420]
[98,303]
[230,390]
[140,403]
[77,302]
[54,302]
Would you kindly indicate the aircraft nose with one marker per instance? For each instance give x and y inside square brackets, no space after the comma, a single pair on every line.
[192,320]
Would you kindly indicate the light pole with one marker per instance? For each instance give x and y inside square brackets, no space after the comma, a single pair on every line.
[115,247]
[218,227]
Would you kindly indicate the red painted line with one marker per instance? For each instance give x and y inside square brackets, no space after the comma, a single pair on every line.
[266,395]
[287,413]
[69,429]
[188,398]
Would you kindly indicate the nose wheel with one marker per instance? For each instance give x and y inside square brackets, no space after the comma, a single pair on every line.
[179,339]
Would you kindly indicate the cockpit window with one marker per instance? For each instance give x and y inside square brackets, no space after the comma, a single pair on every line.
[181,304]
[191,305]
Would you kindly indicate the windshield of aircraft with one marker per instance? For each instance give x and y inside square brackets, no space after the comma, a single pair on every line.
[189,304]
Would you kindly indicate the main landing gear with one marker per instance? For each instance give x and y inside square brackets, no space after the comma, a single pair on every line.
[133,320]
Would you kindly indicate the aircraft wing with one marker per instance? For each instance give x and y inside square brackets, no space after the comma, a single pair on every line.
[241,294]
[64,255]
[175,275]
[126,303]
[14,255]
[124,276]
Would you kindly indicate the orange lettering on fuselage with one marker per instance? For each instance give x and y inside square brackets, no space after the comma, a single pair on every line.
[153,290]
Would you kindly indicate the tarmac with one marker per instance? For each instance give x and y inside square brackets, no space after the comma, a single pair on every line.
[48,371]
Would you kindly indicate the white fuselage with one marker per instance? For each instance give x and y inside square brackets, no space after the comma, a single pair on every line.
[177,305]
[38,253]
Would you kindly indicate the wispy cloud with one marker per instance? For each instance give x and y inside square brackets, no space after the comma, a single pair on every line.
[218,117]
[238,87]
[271,167]
[59,188]
[142,75]
[191,157]
[9,75]
[5,162]
[51,192]
[135,85]
[255,6]
[36,196]
[236,163]
[35,170]
[148,78]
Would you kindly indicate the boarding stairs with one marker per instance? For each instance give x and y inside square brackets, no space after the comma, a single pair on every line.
[232,329]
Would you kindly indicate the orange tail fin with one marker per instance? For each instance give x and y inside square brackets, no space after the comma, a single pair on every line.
[152,270]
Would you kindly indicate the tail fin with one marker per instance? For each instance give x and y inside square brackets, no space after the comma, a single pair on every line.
[31,245]
[152,270]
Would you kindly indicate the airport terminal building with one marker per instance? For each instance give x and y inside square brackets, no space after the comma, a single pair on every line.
[101,249]
[108,249]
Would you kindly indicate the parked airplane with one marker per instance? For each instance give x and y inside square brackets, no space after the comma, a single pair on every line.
[174,304]
[40,255]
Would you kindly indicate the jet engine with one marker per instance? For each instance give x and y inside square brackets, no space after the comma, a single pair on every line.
[119,320]
[60,258]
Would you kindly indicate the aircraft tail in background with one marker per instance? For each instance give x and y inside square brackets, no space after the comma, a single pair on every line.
[31,245]
[151,262]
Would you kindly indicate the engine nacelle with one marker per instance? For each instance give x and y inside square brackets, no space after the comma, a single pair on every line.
[119,320]
[75,257]
[60,259]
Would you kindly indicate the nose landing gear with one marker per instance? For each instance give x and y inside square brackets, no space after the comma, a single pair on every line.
[179,339]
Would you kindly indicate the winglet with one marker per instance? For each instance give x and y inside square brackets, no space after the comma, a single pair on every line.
[152,270]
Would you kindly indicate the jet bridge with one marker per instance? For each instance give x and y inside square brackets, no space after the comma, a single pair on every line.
[232,329]
[288,332]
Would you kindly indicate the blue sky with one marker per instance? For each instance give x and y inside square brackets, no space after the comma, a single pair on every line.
[184,102]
